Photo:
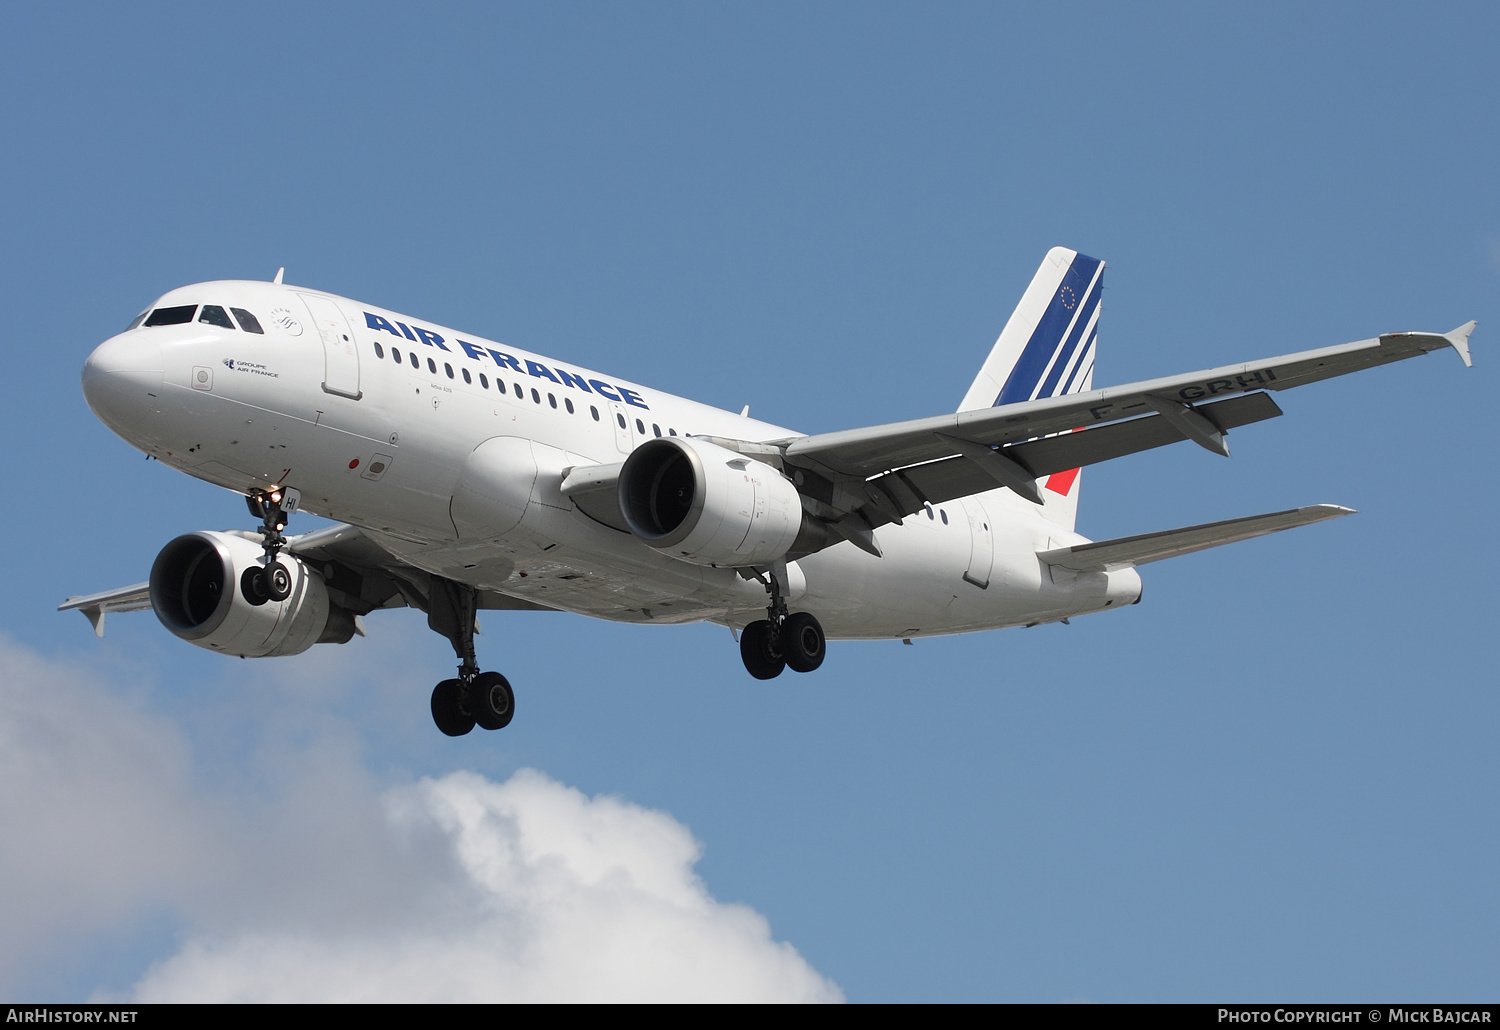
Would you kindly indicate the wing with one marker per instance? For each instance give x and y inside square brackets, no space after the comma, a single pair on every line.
[881,473]
[361,576]
[95,606]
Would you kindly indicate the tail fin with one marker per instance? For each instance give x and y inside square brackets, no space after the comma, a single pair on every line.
[1045,350]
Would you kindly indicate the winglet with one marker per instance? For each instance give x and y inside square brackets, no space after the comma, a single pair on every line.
[279,273]
[1459,341]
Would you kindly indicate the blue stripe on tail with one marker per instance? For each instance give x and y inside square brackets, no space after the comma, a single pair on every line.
[1084,360]
[1047,340]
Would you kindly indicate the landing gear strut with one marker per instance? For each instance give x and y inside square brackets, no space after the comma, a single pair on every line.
[769,645]
[474,698]
[272,581]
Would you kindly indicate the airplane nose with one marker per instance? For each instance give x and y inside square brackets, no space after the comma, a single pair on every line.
[121,381]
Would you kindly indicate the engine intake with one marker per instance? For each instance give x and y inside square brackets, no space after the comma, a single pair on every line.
[195,593]
[708,505]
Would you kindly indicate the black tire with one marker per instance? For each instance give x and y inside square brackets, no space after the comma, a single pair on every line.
[492,701]
[802,642]
[253,586]
[761,660]
[447,709]
[278,581]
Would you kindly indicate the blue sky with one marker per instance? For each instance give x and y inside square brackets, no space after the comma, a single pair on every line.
[1273,779]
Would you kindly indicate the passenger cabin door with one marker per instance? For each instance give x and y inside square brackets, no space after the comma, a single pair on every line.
[340,355]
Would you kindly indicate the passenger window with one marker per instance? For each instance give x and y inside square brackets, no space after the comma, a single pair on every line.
[656,429]
[172,316]
[379,350]
[432,367]
[137,321]
[569,403]
[672,431]
[215,315]
[640,427]
[929,511]
[413,356]
[520,393]
[552,400]
[467,379]
[944,514]
[247,321]
[536,397]
[449,369]
[621,419]
[396,354]
[483,382]
[594,411]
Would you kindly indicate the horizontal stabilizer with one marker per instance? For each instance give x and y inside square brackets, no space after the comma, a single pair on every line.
[1129,551]
[94,606]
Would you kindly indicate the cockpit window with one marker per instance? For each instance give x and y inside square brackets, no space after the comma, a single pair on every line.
[172,316]
[215,315]
[247,321]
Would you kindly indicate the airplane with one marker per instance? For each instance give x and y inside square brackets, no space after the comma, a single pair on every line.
[465,475]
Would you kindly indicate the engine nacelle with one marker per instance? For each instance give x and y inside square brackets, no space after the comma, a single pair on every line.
[195,592]
[708,505]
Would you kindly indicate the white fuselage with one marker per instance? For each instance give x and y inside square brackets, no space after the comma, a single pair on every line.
[327,400]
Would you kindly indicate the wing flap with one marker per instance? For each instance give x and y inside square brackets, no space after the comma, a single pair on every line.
[1126,552]
[947,478]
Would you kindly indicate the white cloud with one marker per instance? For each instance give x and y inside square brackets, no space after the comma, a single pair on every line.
[554,896]
[457,888]
[99,820]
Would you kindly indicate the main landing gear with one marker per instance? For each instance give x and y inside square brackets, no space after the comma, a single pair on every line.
[769,645]
[270,581]
[474,698]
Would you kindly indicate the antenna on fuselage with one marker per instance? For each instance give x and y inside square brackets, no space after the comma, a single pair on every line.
[279,273]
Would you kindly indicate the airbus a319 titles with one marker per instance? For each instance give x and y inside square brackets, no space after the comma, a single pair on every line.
[467,475]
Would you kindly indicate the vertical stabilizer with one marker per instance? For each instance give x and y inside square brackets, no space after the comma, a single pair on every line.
[1045,350]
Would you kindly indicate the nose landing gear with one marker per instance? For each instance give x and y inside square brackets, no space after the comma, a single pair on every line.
[273,581]
[769,645]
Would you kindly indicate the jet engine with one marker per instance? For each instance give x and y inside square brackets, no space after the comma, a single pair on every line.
[708,505]
[195,592]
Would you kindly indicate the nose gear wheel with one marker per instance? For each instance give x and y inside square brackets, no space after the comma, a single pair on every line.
[273,581]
